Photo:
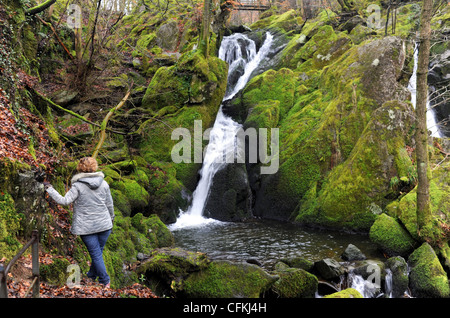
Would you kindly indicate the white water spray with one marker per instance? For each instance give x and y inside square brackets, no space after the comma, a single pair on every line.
[432,124]
[222,139]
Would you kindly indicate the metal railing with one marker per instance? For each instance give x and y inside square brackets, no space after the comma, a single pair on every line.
[35,284]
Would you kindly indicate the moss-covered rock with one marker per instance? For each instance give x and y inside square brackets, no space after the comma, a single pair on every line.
[427,278]
[193,80]
[165,268]
[400,276]
[288,21]
[295,283]
[391,237]
[405,208]
[358,189]
[346,293]
[224,279]
[55,273]
[9,226]
[129,237]
[321,129]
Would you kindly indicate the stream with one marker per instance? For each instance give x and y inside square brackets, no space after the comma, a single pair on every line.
[268,241]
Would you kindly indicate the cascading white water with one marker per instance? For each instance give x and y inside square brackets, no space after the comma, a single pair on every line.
[432,124]
[240,53]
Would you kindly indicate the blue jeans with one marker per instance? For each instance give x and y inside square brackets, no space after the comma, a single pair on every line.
[95,244]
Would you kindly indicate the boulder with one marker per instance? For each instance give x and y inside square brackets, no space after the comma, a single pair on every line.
[224,279]
[346,293]
[371,270]
[230,196]
[167,36]
[391,237]
[427,278]
[165,268]
[329,269]
[295,283]
[352,253]
[299,262]
[400,279]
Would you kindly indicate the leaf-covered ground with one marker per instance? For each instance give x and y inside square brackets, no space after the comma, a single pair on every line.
[19,281]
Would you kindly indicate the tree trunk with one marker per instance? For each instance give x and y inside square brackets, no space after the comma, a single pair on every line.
[206,23]
[424,215]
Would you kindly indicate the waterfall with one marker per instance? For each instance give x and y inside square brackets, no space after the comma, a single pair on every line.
[388,287]
[432,124]
[240,53]
[366,288]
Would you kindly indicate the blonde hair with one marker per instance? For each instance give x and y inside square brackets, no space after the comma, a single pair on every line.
[87,164]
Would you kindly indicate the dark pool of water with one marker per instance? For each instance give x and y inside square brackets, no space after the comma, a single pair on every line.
[269,241]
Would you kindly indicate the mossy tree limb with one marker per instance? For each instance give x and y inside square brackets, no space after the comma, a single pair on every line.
[51,103]
[105,122]
[39,8]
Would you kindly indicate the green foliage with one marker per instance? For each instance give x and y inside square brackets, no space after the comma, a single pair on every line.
[9,226]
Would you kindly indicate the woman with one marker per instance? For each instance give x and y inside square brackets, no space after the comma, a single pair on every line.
[93,213]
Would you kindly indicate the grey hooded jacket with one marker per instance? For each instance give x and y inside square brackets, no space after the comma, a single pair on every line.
[93,209]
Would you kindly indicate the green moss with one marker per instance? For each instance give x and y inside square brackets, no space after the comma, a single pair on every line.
[295,283]
[264,115]
[9,226]
[405,207]
[271,85]
[137,195]
[427,277]
[224,279]
[391,237]
[287,21]
[130,236]
[346,293]
[55,273]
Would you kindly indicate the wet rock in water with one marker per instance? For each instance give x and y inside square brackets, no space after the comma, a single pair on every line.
[329,268]
[400,279]
[352,253]
[370,269]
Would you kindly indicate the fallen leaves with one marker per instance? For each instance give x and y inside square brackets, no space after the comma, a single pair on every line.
[87,289]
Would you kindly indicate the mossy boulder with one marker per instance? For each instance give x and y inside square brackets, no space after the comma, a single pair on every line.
[427,278]
[288,21]
[321,126]
[346,293]
[405,207]
[131,236]
[391,237]
[357,190]
[165,268]
[193,80]
[295,283]
[224,279]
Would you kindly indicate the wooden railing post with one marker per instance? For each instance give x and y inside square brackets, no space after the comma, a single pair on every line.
[3,286]
[34,243]
[35,263]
